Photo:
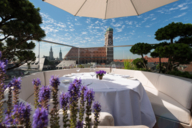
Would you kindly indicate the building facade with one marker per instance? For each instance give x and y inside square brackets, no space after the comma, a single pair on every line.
[98,55]
[109,42]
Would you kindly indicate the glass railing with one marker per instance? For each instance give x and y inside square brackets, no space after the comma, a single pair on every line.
[57,57]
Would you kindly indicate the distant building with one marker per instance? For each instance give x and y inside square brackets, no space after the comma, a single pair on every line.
[60,55]
[51,54]
[51,57]
[98,55]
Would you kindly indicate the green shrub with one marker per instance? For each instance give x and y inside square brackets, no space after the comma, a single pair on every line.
[80,66]
[179,73]
[139,62]
[129,65]
[163,67]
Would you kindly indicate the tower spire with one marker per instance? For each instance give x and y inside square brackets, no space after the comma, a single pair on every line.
[51,48]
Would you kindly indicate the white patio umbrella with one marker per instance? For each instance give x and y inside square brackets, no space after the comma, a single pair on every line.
[106,9]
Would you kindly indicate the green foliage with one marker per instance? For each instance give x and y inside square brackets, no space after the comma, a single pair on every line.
[20,23]
[179,73]
[170,31]
[175,52]
[80,66]
[128,64]
[141,49]
[139,63]
[178,52]
[162,68]
[185,40]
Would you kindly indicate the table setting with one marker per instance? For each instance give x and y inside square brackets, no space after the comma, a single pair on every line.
[120,96]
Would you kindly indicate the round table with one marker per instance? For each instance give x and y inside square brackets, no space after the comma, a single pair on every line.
[124,98]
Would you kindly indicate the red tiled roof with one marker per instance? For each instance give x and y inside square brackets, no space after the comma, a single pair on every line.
[189,67]
[147,58]
[164,60]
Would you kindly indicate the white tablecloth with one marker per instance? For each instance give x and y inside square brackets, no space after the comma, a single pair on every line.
[124,98]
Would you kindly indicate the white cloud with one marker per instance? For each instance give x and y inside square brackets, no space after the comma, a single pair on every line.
[180,15]
[113,20]
[186,7]
[88,20]
[117,24]
[129,22]
[120,29]
[84,32]
[154,18]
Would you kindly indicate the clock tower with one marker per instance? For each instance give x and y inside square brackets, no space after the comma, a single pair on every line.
[109,42]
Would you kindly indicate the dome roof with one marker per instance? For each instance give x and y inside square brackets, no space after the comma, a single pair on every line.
[109,29]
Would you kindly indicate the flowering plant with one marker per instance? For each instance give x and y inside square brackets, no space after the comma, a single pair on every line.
[101,73]
[18,113]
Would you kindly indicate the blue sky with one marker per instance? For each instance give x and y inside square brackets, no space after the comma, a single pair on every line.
[62,27]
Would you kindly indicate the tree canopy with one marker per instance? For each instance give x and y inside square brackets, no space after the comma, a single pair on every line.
[170,31]
[178,52]
[141,49]
[19,25]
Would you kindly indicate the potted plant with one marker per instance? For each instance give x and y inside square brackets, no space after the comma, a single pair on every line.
[100,74]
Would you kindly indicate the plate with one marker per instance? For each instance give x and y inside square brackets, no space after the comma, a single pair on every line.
[66,81]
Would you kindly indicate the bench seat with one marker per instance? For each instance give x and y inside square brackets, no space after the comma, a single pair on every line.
[167,107]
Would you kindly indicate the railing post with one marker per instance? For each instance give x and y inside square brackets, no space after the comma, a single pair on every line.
[39,55]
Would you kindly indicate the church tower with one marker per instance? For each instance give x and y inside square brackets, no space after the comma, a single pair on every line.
[109,42]
[60,55]
[51,54]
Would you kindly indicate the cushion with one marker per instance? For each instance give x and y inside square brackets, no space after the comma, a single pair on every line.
[176,88]
[27,88]
[147,78]
[165,106]
[124,72]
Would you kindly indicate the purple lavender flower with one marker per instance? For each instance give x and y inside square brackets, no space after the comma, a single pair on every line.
[79,124]
[40,118]
[20,113]
[9,120]
[44,93]
[22,110]
[64,100]
[74,91]
[101,72]
[84,88]
[15,82]
[2,66]
[36,82]
[4,87]
[96,106]
[89,96]
[6,61]
[97,110]
[54,81]
[78,82]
